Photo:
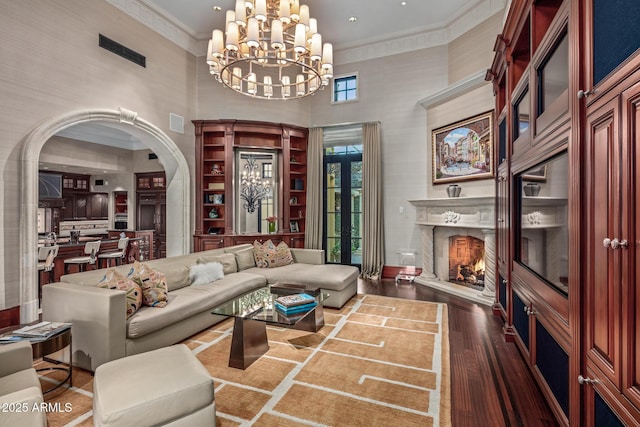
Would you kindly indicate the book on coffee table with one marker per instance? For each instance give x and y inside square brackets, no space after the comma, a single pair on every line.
[295,309]
[295,300]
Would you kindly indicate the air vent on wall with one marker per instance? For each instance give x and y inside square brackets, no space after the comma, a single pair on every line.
[176,123]
[153,156]
[99,181]
[123,51]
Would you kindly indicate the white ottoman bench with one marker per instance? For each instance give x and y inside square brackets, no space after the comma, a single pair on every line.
[168,386]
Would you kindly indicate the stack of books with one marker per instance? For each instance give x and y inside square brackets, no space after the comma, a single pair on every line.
[297,303]
[38,332]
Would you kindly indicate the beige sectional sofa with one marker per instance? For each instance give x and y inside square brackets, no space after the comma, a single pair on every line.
[101,332]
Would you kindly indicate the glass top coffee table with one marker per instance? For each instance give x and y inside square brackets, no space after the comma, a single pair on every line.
[254,310]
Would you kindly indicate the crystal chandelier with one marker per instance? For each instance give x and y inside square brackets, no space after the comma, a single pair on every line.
[252,188]
[271,49]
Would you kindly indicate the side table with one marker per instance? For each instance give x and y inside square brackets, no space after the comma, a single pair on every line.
[53,344]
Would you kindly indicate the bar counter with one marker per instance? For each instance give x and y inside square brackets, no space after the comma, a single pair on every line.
[70,250]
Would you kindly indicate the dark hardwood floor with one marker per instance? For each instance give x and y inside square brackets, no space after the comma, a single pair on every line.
[491,385]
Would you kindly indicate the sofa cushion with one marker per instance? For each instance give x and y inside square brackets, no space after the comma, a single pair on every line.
[192,300]
[114,280]
[228,261]
[331,277]
[152,282]
[20,380]
[201,274]
[245,259]
[176,274]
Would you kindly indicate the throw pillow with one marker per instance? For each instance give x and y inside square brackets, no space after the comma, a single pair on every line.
[245,259]
[153,284]
[228,261]
[114,280]
[202,274]
[264,253]
[283,255]
[268,255]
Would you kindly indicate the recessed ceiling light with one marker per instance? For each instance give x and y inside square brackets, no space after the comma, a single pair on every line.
[403,3]
[217,8]
[353,19]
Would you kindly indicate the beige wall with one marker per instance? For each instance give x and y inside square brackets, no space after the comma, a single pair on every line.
[473,51]
[51,64]
[389,91]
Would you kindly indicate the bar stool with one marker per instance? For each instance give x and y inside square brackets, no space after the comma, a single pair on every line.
[91,255]
[46,258]
[117,256]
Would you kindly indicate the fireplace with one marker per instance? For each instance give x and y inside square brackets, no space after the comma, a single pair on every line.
[458,246]
[466,261]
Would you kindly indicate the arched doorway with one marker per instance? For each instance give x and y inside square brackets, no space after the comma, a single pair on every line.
[178,192]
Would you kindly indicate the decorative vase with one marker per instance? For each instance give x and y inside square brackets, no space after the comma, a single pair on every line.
[531,189]
[272,227]
[213,213]
[454,190]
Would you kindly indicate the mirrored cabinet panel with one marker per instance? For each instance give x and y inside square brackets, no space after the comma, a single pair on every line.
[542,243]
[256,191]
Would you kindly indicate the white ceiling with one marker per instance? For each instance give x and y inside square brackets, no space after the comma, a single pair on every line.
[377,21]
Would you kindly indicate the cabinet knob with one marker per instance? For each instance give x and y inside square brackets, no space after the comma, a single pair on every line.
[500,220]
[615,243]
[585,93]
[501,178]
[504,281]
[586,380]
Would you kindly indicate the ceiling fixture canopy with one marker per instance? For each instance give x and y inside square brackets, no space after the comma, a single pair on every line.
[270,49]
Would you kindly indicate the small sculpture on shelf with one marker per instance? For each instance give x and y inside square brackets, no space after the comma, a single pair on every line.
[213,213]
[217,169]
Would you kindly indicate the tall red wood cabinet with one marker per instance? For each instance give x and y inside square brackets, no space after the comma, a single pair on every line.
[566,78]
[217,145]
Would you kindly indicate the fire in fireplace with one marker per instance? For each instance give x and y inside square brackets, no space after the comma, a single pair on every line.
[466,261]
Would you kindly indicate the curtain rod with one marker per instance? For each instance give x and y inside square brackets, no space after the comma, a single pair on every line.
[344,124]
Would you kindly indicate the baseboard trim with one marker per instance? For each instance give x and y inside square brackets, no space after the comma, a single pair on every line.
[10,316]
[390,271]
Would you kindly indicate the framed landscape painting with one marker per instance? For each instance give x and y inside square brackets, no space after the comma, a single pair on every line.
[463,150]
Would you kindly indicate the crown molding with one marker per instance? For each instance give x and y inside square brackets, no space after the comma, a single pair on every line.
[166,26]
[427,39]
[160,22]
[463,86]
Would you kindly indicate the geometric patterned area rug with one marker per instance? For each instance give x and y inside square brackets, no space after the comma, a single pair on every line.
[379,361]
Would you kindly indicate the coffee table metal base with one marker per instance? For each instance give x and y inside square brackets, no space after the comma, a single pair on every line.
[248,342]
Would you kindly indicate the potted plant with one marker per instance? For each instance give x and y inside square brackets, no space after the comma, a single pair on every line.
[271,221]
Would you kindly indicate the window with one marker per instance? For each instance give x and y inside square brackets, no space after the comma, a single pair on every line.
[521,114]
[345,88]
[267,170]
[553,75]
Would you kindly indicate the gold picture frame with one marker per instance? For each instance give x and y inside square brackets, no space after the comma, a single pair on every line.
[463,150]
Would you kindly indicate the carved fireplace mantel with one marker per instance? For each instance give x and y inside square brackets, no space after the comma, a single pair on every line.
[440,219]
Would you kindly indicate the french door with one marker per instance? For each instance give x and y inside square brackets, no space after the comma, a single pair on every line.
[343,206]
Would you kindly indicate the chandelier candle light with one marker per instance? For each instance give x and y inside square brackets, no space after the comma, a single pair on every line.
[252,188]
[270,49]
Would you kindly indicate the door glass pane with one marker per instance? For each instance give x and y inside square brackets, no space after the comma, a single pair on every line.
[334,193]
[356,212]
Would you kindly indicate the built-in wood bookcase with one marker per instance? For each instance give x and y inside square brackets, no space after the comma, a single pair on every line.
[216,144]
[567,87]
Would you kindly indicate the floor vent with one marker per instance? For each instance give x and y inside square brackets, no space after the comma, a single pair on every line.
[123,51]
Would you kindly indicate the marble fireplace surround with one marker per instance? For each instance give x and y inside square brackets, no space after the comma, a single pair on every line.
[440,219]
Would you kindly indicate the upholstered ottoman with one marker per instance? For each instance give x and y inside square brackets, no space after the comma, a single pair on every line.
[168,386]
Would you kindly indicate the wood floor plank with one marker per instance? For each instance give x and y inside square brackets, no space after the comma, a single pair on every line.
[491,385]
